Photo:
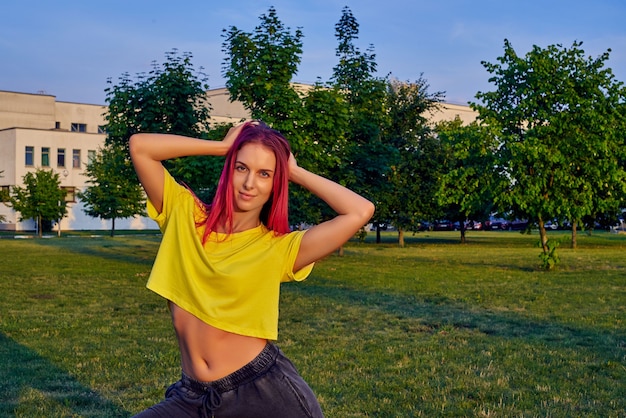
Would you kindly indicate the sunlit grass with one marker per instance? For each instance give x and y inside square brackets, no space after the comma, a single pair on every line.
[436,328]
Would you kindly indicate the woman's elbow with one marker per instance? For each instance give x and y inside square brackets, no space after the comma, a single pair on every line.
[367,211]
[135,144]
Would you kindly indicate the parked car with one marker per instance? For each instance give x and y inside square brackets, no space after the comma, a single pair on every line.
[474,225]
[619,226]
[424,226]
[496,224]
[551,225]
[384,226]
[517,225]
[446,226]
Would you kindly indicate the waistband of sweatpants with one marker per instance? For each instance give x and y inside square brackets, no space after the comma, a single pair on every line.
[250,371]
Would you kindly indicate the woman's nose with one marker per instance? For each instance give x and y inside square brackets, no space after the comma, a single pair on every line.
[249,182]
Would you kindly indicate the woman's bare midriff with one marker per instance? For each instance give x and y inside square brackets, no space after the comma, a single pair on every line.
[208,353]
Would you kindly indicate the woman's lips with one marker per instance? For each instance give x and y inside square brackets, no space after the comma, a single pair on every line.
[246,196]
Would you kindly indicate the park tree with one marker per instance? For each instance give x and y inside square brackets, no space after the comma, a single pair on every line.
[259,68]
[471,180]
[199,173]
[41,198]
[171,98]
[324,123]
[355,68]
[366,165]
[110,193]
[410,193]
[556,115]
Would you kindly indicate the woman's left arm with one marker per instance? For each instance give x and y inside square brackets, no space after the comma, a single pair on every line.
[353,212]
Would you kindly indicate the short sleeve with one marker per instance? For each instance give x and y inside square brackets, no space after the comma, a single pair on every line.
[171,193]
[295,238]
[303,273]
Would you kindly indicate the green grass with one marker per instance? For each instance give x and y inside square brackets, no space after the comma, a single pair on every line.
[433,329]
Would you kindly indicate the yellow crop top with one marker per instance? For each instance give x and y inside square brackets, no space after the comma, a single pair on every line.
[233,282]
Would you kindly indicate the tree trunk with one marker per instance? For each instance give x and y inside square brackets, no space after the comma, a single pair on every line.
[377,232]
[39,226]
[112,227]
[401,237]
[462,227]
[543,236]
[574,243]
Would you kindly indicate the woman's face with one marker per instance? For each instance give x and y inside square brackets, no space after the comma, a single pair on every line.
[255,167]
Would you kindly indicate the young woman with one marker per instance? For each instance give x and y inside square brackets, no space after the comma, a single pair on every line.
[220,266]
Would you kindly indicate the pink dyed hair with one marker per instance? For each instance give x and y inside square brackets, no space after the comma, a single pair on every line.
[274,214]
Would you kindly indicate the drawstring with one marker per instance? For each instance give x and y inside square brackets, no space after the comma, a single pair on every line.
[210,393]
[210,402]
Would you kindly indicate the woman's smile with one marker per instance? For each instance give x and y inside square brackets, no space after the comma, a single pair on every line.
[246,196]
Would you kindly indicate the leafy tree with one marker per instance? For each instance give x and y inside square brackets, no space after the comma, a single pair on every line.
[259,68]
[367,158]
[354,67]
[556,113]
[471,181]
[325,120]
[354,77]
[324,124]
[111,194]
[41,198]
[409,195]
[200,173]
[171,98]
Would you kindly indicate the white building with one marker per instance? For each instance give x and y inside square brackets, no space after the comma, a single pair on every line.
[36,131]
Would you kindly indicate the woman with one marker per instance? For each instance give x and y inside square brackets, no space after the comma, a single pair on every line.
[220,267]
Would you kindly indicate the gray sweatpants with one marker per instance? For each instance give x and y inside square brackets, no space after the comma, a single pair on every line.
[269,386]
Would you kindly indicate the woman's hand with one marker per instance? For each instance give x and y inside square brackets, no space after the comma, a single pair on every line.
[292,164]
[232,134]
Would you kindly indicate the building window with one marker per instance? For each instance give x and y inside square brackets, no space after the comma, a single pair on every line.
[102,129]
[70,194]
[57,125]
[4,193]
[45,157]
[91,155]
[29,156]
[79,127]
[76,158]
[61,157]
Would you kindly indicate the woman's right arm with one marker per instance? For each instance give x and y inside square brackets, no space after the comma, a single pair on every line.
[148,150]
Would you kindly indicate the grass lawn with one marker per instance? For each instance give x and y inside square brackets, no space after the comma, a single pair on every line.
[435,329]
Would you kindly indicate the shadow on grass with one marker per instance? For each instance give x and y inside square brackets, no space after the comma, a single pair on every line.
[418,239]
[29,381]
[136,250]
[441,312]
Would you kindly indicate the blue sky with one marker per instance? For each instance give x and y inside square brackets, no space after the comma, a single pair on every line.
[70,48]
